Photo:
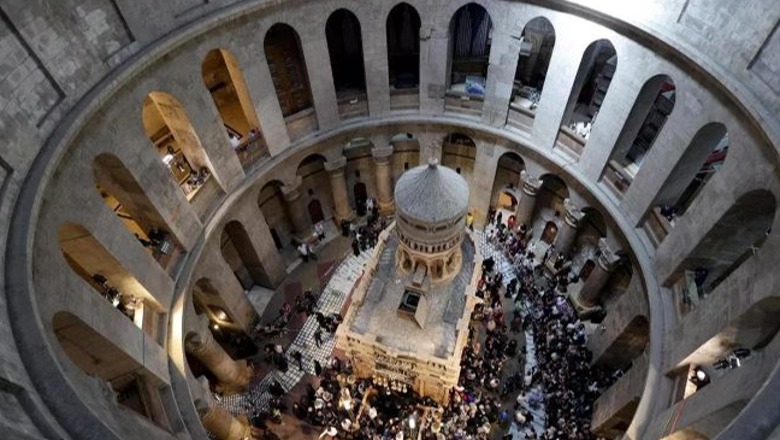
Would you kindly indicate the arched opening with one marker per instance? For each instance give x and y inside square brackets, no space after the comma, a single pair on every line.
[272,205]
[239,253]
[315,186]
[101,271]
[284,55]
[590,87]
[125,197]
[536,47]
[175,140]
[470,33]
[459,152]
[359,170]
[134,387]
[549,233]
[592,228]
[345,47]
[224,79]
[207,301]
[704,156]
[651,109]
[506,190]
[737,235]
[406,153]
[403,56]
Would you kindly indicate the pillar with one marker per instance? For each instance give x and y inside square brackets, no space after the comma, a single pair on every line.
[527,203]
[219,422]
[295,208]
[338,189]
[384,185]
[590,294]
[567,235]
[231,374]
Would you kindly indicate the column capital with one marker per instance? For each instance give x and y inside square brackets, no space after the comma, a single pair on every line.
[382,154]
[573,214]
[290,190]
[531,184]
[199,338]
[336,165]
[608,259]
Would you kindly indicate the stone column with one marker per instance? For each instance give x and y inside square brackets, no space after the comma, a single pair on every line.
[384,186]
[589,295]
[231,374]
[295,208]
[567,235]
[220,423]
[338,188]
[527,203]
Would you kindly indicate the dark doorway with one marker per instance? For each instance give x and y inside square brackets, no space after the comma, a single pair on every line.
[315,211]
[361,195]
[550,231]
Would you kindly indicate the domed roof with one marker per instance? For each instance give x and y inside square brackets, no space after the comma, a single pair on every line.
[432,193]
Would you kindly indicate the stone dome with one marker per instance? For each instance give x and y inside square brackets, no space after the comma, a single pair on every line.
[432,193]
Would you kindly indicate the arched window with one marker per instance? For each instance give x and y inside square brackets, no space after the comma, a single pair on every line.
[537,43]
[403,56]
[284,55]
[345,47]
[125,197]
[648,115]
[594,75]
[174,138]
[224,79]
[470,33]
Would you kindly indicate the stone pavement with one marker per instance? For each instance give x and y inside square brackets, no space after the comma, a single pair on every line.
[505,268]
[331,300]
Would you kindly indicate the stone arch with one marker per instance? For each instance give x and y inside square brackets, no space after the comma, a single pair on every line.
[469,40]
[284,55]
[406,153]
[506,184]
[739,233]
[592,228]
[127,199]
[651,109]
[134,387]
[239,253]
[345,48]
[168,127]
[224,79]
[403,55]
[591,84]
[271,202]
[538,38]
[702,158]
[459,151]
[206,300]
[98,268]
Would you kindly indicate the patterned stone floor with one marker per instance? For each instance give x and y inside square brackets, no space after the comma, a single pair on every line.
[330,301]
[505,268]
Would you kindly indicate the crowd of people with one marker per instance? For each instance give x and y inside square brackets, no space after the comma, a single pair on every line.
[500,392]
